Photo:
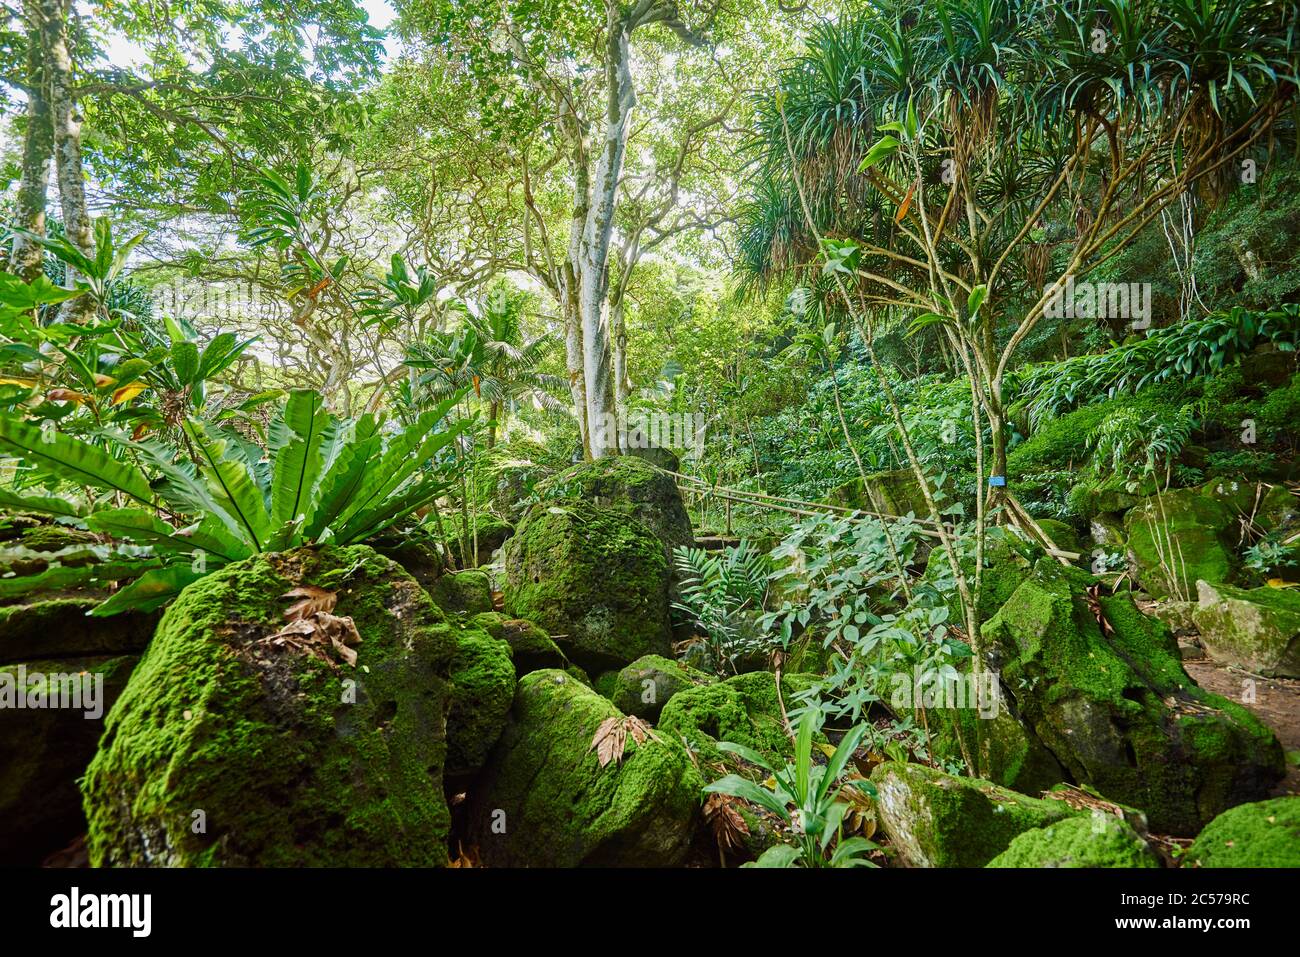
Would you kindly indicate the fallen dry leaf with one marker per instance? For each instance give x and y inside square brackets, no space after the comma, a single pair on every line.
[611,737]
[313,599]
[725,821]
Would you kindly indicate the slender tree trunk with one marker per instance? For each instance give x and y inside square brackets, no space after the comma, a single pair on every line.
[67,142]
[618,340]
[38,143]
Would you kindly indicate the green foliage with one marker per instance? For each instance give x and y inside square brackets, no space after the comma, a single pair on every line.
[722,596]
[319,479]
[806,796]
[1195,348]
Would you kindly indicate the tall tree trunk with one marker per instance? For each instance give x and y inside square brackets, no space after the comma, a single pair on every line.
[593,267]
[67,143]
[38,143]
[618,341]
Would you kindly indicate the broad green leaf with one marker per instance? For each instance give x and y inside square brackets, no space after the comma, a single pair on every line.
[64,457]
[151,590]
[295,439]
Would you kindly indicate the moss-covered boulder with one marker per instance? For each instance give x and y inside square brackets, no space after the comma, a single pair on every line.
[1008,558]
[744,709]
[415,548]
[60,628]
[45,749]
[1003,748]
[595,578]
[1263,834]
[887,493]
[531,648]
[1177,538]
[468,592]
[1062,535]
[1256,629]
[657,456]
[509,475]
[483,687]
[1085,840]
[228,748]
[1117,709]
[491,533]
[632,486]
[543,800]
[934,819]
[647,684]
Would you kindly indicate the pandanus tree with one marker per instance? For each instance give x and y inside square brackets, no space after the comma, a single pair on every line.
[964,163]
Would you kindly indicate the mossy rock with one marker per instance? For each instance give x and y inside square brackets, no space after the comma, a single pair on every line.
[468,592]
[1086,840]
[293,758]
[1177,538]
[595,578]
[939,820]
[1118,710]
[1179,616]
[531,648]
[1112,495]
[887,493]
[60,628]
[44,751]
[36,548]
[647,684]
[509,476]
[629,485]
[659,457]
[1263,834]
[491,532]
[1065,537]
[1005,751]
[483,687]
[543,800]
[415,549]
[1008,558]
[1256,629]
[743,709]
[1106,531]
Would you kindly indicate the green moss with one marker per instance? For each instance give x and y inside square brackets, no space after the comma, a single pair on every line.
[1263,834]
[1256,629]
[483,686]
[1118,710]
[889,493]
[531,648]
[468,592]
[293,761]
[59,628]
[44,751]
[647,684]
[631,486]
[491,532]
[1177,538]
[743,709]
[545,801]
[938,820]
[594,578]
[1093,840]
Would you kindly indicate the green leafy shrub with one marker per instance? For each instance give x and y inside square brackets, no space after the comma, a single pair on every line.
[319,479]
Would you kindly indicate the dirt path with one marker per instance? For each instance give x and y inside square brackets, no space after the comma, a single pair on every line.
[1277,704]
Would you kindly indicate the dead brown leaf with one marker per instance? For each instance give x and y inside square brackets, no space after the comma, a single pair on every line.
[611,737]
[313,599]
[725,821]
